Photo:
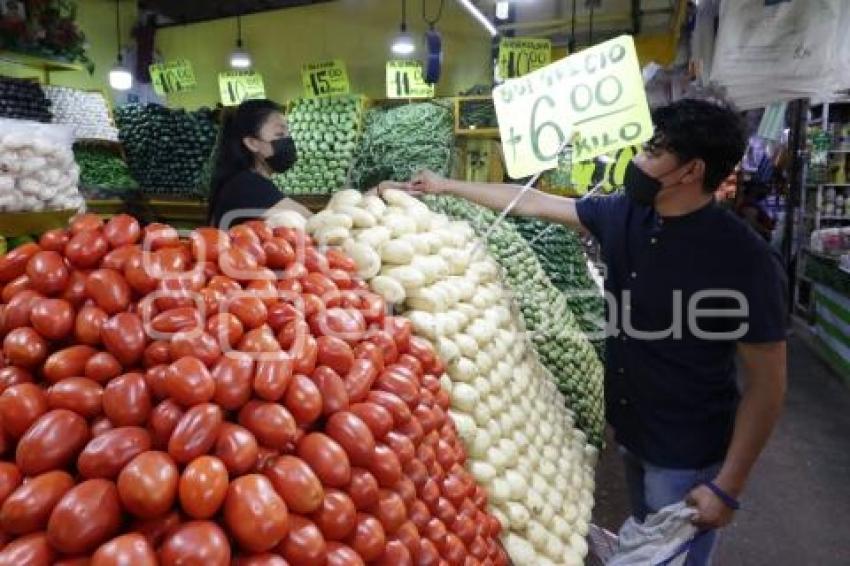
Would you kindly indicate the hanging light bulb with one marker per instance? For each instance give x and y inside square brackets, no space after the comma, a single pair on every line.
[403,43]
[239,57]
[503,9]
[120,77]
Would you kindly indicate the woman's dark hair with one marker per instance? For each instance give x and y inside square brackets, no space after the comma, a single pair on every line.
[698,129]
[233,157]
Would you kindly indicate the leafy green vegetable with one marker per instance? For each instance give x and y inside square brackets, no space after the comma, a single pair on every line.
[400,141]
[560,342]
[100,167]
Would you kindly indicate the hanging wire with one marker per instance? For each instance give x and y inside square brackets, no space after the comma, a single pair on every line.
[572,43]
[432,22]
[590,31]
[403,15]
[238,31]
[118,28]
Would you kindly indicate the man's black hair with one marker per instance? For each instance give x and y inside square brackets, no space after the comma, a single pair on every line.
[698,129]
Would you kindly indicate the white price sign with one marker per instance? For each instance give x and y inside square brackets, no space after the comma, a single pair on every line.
[594,98]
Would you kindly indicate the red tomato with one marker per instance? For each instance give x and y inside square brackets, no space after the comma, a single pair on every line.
[334,395]
[158,236]
[122,230]
[385,342]
[279,253]
[24,347]
[305,359]
[464,528]
[54,240]
[12,288]
[396,553]
[401,445]
[255,514]
[401,329]
[428,553]
[419,514]
[337,516]
[327,458]
[393,380]
[271,423]
[303,399]
[282,313]
[237,447]
[272,377]
[363,489]
[226,328]
[14,263]
[390,510]
[208,243]
[353,435]
[86,249]
[48,272]
[369,351]
[315,261]
[398,408]
[53,318]
[304,545]
[368,539]
[17,312]
[359,379]
[233,377]
[417,472]
[334,353]
[385,466]
[296,483]
[346,324]
[338,260]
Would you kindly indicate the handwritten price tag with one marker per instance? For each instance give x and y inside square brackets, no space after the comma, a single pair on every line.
[172,76]
[519,56]
[325,79]
[405,80]
[595,97]
[236,86]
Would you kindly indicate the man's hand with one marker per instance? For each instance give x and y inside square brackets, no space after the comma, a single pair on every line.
[428,182]
[712,512]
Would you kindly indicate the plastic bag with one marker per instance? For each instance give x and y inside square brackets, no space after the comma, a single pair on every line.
[663,539]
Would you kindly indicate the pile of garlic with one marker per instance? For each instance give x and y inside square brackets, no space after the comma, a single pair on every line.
[86,112]
[37,168]
[521,439]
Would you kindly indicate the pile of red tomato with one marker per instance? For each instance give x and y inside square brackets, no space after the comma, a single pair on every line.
[226,396]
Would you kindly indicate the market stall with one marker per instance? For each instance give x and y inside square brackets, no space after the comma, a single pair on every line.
[384,382]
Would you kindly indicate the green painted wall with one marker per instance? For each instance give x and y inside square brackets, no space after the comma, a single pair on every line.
[357,31]
[97,20]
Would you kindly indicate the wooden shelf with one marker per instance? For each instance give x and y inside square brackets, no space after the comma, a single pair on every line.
[28,223]
[486,133]
[37,62]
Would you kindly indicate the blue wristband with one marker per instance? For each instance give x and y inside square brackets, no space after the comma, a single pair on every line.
[727,499]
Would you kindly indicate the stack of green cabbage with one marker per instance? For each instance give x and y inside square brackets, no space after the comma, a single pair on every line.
[561,254]
[326,131]
[401,141]
[100,167]
[167,149]
[562,346]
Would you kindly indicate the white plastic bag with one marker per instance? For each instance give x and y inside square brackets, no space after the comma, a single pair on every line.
[663,538]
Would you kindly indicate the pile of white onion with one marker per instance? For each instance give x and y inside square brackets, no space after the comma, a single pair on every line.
[522,443]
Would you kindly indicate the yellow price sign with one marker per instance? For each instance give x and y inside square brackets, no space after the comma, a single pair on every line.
[519,56]
[594,98]
[236,86]
[405,80]
[172,76]
[325,79]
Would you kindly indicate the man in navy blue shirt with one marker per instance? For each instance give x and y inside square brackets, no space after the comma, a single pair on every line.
[690,288]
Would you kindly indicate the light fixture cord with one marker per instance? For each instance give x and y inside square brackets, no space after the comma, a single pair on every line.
[403,15]
[118,28]
[432,22]
[572,46]
[238,31]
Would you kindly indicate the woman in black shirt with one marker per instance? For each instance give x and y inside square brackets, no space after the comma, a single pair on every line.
[255,143]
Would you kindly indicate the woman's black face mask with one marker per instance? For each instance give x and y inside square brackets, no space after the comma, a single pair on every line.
[284,154]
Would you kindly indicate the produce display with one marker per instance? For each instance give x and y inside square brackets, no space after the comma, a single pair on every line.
[562,257]
[167,149]
[23,99]
[554,330]
[100,167]
[281,417]
[37,169]
[326,132]
[401,141]
[86,112]
[476,114]
[520,435]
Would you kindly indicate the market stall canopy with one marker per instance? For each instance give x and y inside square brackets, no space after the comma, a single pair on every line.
[193,11]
